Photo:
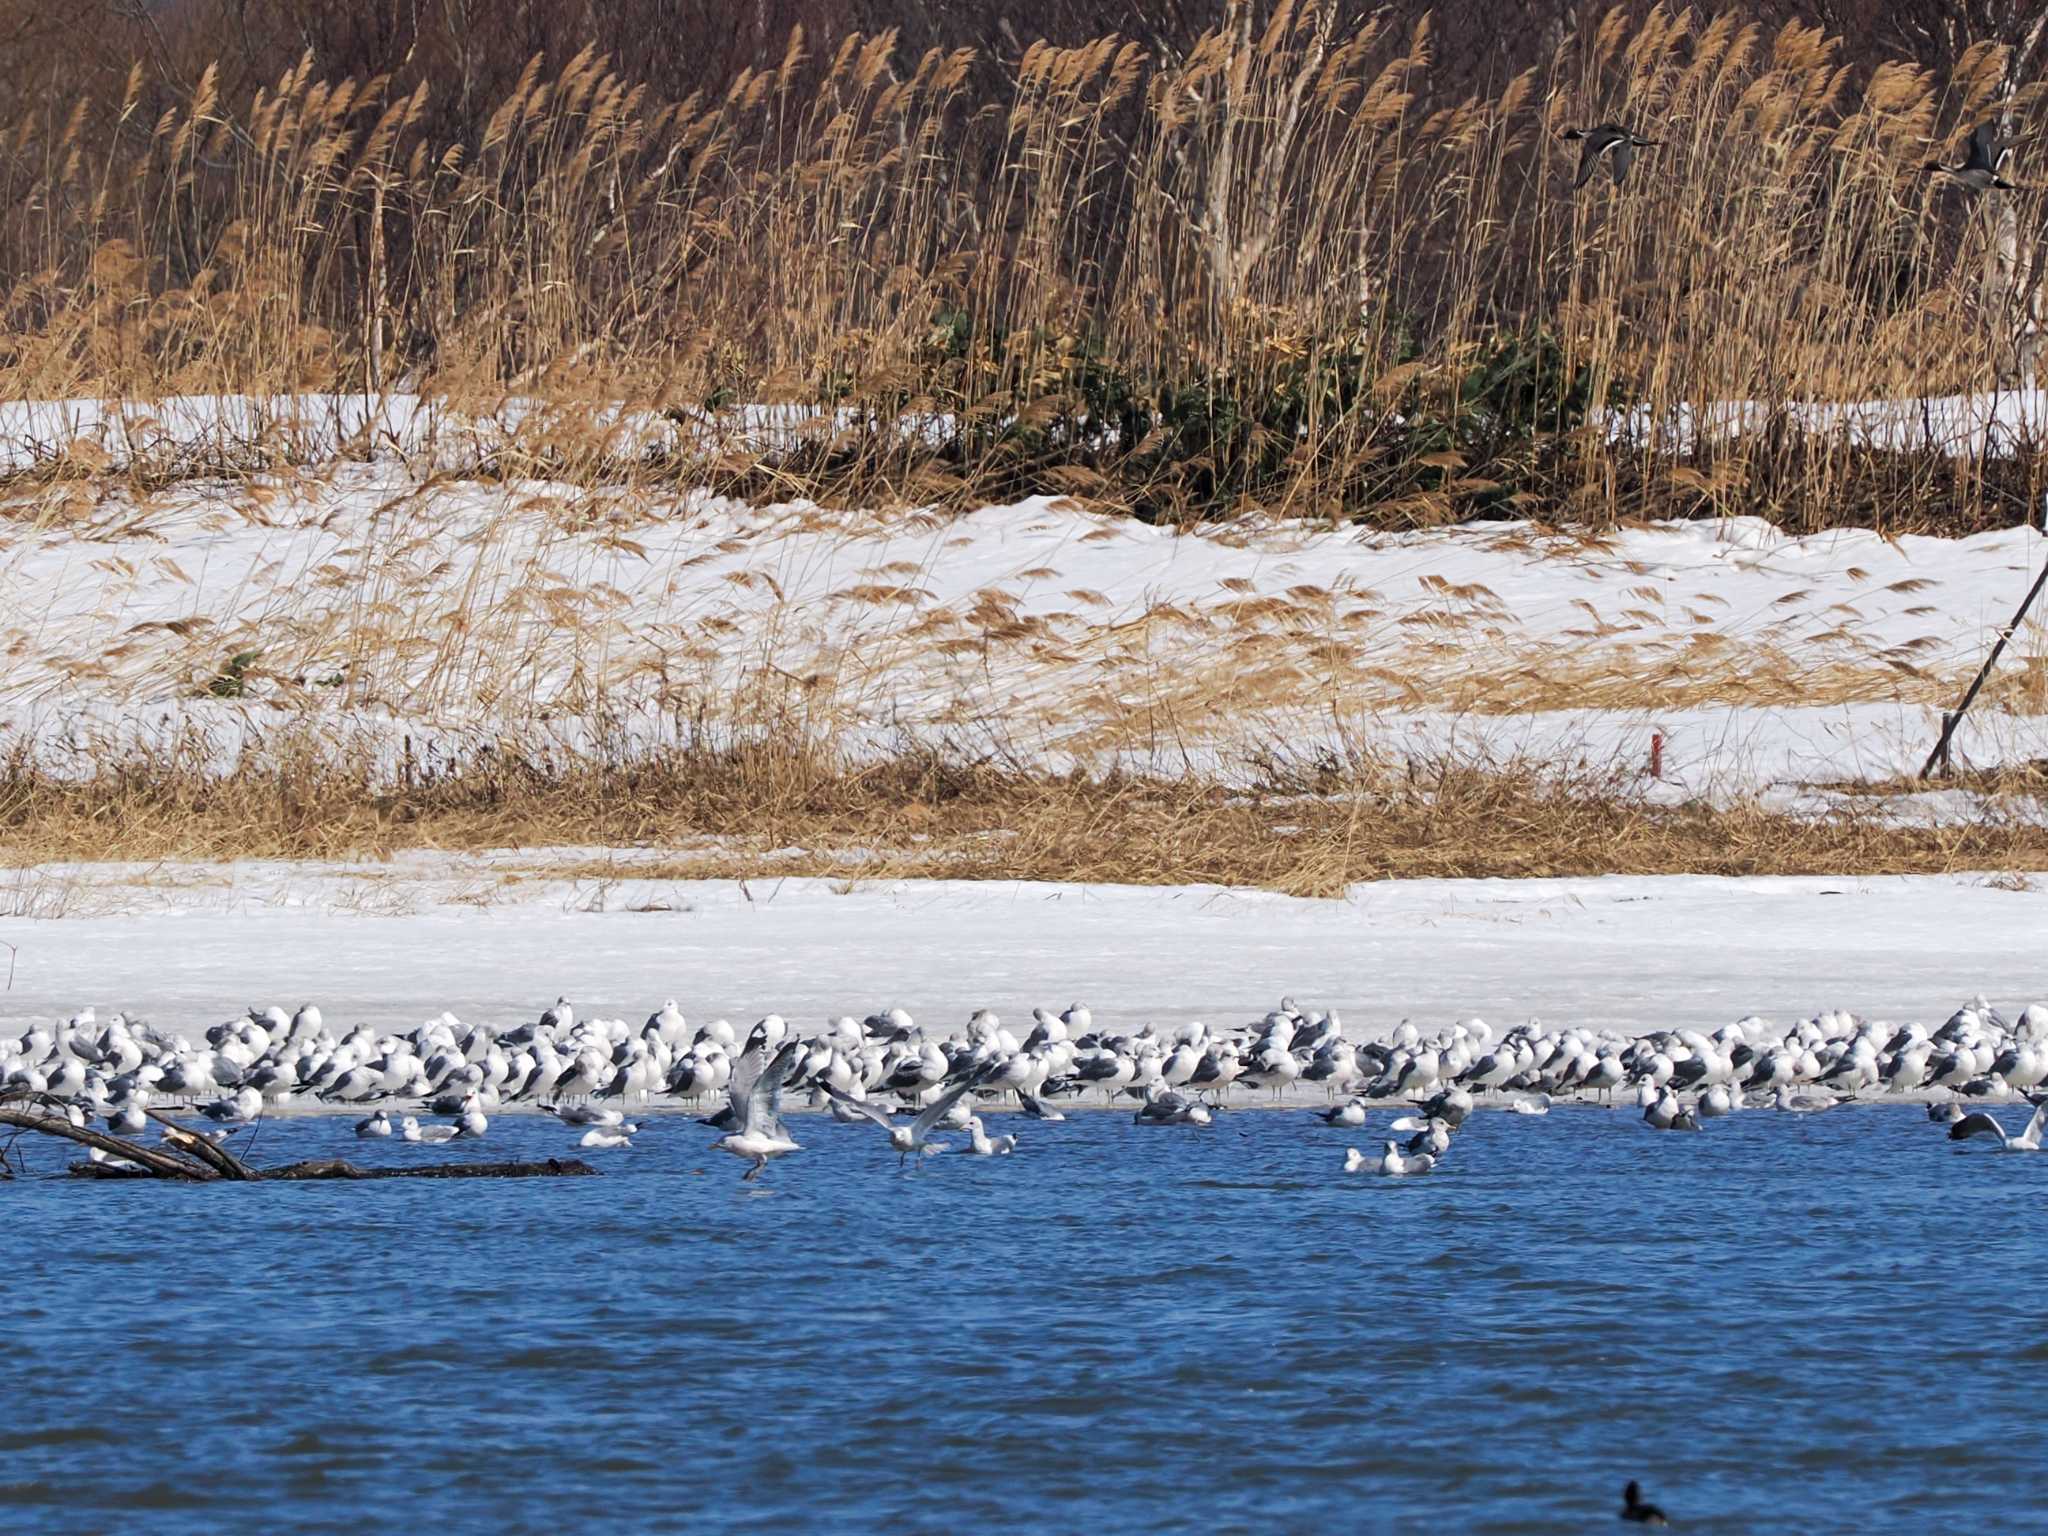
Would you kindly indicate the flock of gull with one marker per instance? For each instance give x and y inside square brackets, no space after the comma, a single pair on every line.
[441,1081]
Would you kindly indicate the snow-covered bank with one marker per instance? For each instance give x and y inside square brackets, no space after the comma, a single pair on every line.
[1996,424]
[428,429]
[370,607]
[187,946]
[423,432]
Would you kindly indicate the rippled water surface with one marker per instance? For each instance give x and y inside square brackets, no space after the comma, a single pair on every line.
[1827,1322]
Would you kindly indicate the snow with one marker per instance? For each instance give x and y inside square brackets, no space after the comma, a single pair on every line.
[420,431]
[1997,424]
[1038,631]
[186,946]
[314,427]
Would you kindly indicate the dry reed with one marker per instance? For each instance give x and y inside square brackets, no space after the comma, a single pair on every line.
[1275,271]
[764,808]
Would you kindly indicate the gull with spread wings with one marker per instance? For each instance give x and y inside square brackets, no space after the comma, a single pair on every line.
[756,1130]
[910,1139]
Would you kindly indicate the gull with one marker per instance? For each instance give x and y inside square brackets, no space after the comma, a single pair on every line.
[956,1118]
[1350,1113]
[602,1137]
[1977,1123]
[1802,1103]
[910,1138]
[841,1108]
[378,1124]
[1169,1108]
[1433,1140]
[755,1130]
[1535,1104]
[129,1120]
[1603,1077]
[1391,1163]
[245,1105]
[582,1114]
[984,1145]
[1036,1107]
[411,1130]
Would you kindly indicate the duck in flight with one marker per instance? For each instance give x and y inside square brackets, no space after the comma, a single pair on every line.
[1610,142]
[1985,155]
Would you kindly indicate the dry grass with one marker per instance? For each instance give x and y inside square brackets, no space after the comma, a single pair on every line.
[750,811]
[1278,274]
[1278,270]
[362,593]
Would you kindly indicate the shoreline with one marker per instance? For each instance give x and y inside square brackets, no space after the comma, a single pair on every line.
[1919,1098]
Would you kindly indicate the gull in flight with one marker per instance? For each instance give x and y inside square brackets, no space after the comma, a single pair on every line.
[755,1130]
[1977,1123]
[907,1139]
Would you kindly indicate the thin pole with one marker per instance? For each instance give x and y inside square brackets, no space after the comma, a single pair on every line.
[1951,721]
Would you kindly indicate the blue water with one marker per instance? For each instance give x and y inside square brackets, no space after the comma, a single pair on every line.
[1822,1322]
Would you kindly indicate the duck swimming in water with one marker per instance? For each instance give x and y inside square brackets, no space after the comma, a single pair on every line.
[1635,1507]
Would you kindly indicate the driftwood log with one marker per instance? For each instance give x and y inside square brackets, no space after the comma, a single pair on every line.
[198,1160]
[335,1168]
[158,1164]
[211,1153]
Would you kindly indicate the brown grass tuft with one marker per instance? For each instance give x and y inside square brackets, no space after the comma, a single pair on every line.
[754,807]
